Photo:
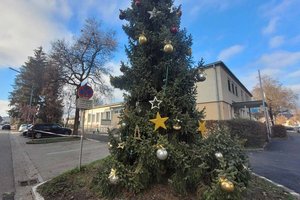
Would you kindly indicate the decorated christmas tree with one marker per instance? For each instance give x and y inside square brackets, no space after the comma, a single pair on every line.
[162,136]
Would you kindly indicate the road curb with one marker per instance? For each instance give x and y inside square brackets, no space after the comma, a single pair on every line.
[35,194]
[292,192]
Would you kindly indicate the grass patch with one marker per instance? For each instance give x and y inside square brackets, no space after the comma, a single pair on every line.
[52,140]
[78,185]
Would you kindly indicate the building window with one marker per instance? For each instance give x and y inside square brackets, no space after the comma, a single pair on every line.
[98,117]
[105,115]
[232,88]
[236,91]
[242,95]
[228,81]
[93,118]
[89,117]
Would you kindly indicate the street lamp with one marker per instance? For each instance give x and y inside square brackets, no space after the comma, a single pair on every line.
[31,94]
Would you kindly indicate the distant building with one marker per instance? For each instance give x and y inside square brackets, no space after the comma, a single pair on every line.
[102,118]
[223,95]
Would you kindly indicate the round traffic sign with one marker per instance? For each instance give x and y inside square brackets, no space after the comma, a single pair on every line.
[85,91]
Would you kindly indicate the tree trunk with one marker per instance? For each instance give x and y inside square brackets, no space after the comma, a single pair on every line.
[76,122]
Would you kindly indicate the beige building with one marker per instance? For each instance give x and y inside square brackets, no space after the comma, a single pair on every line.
[102,118]
[222,95]
[220,92]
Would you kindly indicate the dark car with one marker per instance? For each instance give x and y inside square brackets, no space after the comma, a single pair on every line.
[6,127]
[47,130]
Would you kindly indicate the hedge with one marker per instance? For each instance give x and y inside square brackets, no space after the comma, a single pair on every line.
[279,131]
[252,132]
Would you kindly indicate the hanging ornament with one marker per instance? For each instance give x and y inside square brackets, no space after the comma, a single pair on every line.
[161,153]
[121,145]
[190,51]
[153,13]
[219,155]
[172,9]
[159,122]
[137,133]
[122,15]
[113,178]
[226,185]
[109,145]
[179,12]
[174,29]
[137,3]
[155,103]
[202,129]
[177,125]
[168,48]
[142,39]
[138,108]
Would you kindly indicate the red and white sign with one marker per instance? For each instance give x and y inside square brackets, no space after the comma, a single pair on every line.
[85,92]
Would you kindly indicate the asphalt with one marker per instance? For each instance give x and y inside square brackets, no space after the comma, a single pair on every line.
[280,161]
[7,187]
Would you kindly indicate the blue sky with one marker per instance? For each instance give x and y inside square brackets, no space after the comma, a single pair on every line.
[246,35]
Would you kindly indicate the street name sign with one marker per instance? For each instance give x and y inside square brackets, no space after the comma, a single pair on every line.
[84,103]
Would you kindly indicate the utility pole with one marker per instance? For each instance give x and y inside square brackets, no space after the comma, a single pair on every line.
[264,107]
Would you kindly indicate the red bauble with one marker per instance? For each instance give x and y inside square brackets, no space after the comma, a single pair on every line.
[137,3]
[174,29]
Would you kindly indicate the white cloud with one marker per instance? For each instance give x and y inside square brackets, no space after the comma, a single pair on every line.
[4,108]
[271,27]
[295,74]
[276,41]
[196,8]
[229,52]
[279,59]
[296,90]
[26,25]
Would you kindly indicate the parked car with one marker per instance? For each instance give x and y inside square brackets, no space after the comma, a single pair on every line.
[24,127]
[24,133]
[6,127]
[47,130]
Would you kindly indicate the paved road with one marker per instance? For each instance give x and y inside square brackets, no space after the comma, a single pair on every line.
[53,159]
[280,161]
[6,164]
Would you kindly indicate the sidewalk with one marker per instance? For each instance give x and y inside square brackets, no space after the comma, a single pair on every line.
[35,163]
[280,161]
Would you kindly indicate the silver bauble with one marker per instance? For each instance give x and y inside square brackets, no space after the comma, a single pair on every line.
[200,77]
[114,179]
[162,154]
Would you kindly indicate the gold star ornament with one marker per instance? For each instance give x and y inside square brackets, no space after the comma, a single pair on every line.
[202,129]
[159,121]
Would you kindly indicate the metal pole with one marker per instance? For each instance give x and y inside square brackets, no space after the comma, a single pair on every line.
[264,106]
[81,137]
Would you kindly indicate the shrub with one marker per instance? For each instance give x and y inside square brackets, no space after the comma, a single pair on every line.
[253,133]
[279,131]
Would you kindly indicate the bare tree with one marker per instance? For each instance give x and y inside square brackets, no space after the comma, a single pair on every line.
[278,97]
[84,59]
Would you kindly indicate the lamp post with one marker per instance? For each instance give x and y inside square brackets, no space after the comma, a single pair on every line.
[31,94]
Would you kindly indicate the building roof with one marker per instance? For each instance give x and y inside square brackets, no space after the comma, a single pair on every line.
[113,105]
[221,64]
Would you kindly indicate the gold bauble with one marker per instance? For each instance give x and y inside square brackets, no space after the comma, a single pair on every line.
[168,48]
[142,39]
[176,126]
[190,52]
[227,186]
